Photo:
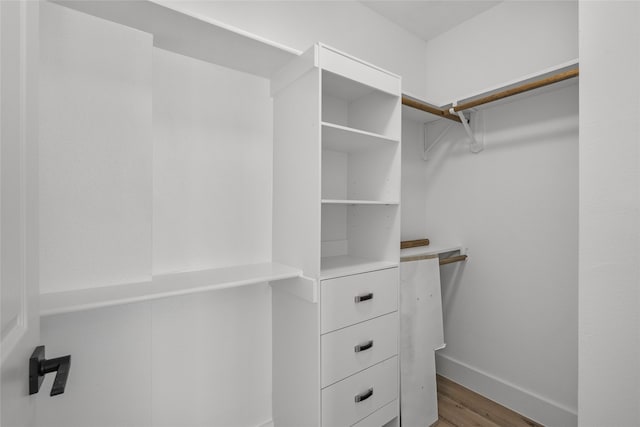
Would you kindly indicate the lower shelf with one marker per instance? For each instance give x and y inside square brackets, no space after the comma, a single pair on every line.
[431,249]
[164,286]
[346,265]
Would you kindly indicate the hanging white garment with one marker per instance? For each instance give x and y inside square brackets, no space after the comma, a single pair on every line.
[421,333]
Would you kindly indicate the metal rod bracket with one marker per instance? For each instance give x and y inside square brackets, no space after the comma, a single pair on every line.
[475,146]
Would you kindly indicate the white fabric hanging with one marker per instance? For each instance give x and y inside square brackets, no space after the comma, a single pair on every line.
[421,333]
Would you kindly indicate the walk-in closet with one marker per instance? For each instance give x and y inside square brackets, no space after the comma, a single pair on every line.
[319,214]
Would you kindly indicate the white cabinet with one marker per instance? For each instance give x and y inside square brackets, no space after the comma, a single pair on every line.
[336,216]
[358,345]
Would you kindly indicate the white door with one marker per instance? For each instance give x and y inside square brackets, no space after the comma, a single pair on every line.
[18,207]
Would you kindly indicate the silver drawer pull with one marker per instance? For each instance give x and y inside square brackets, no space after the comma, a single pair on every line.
[363,297]
[364,346]
[364,395]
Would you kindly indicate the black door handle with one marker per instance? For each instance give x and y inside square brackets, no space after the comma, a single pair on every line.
[39,367]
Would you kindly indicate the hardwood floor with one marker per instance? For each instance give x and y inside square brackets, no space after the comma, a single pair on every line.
[461,407]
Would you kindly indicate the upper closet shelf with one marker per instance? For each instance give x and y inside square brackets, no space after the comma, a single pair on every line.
[192,35]
[529,84]
[342,138]
[162,286]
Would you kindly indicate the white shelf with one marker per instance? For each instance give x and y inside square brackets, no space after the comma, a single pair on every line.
[345,265]
[163,286]
[192,35]
[342,138]
[432,250]
[359,202]
[528,78]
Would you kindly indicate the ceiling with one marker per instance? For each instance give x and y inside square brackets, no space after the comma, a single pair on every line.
[429,18]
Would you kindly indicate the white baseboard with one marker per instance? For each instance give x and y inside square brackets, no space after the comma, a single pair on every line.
[538,408]
[268,423]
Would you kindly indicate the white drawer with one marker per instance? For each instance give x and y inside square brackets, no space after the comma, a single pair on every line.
[355,69]
[381,416]
[375,387]
[352,349]
[340,305]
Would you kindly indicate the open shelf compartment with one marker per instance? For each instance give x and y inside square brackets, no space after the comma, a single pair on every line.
[348,103]
[371,174]
[358,238]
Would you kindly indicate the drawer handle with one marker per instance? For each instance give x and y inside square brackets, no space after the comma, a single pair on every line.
[364,396]
[363,347]
[363,297]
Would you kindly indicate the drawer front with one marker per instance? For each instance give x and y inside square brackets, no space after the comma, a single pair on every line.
[352,349]
[359,71]
[381,416]
[374,388]
[353,299]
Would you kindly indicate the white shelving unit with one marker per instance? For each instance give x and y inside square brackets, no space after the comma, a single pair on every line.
[360,173]
[199,37]
[337,217]
[164,286]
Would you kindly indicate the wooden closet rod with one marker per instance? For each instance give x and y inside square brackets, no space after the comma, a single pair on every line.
[442,261]
[406,244]
[418,105]
[452,259]
[525,87]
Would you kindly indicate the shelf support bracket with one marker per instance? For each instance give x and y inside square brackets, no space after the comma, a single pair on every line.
[302,287]
[426,146]
[475,146]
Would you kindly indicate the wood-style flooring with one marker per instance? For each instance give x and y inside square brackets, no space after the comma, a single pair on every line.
[461,407]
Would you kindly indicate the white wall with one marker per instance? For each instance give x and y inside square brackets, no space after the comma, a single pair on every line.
[609,379]
[345,25]
[510,40]
[510,311]
[95,168]
[212,138]
[203,173]
[195,360]
[414,178]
